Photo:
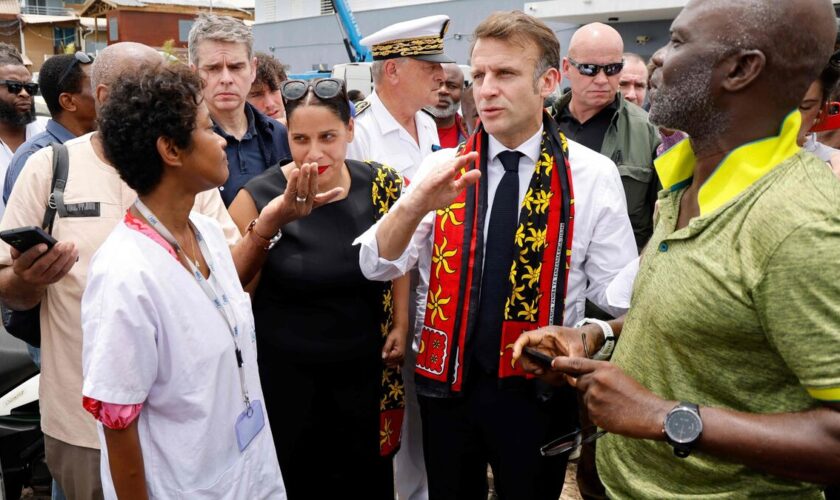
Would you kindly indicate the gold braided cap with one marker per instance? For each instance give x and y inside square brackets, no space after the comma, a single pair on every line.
[408,47]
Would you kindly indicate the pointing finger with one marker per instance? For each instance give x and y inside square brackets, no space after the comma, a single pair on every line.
[575,366]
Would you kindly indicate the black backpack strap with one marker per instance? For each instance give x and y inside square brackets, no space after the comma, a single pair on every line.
[59,182]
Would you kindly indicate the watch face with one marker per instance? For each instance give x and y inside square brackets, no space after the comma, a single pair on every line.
[683,426]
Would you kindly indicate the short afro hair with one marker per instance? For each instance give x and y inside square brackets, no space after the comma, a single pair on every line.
[161,101]
[49,75]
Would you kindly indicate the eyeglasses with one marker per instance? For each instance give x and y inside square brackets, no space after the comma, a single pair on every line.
[324,88]
[78,58]
[571,441]
[587,69]
[15,86]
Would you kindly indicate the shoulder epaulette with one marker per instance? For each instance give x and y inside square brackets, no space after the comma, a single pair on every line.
[361,106]
[427,112]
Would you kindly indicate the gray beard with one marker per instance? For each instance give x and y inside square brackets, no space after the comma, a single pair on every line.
[686,104]
[449,112]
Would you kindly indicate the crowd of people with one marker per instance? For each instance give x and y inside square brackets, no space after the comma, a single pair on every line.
[266,287]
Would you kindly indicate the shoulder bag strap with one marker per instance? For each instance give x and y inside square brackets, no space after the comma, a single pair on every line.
[59,181]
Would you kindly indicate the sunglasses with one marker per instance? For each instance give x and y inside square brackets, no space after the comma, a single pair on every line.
[572,441]
[324,88]
[587,69]
[15,86]
[78,58]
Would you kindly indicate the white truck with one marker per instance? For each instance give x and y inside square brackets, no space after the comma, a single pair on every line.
[357,75]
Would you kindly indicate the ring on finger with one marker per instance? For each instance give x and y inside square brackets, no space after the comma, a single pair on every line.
[300,199]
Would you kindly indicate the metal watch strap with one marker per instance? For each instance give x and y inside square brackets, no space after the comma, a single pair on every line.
[606,350]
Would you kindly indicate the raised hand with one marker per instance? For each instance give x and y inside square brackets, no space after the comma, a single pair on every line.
[441,186]
[298,200]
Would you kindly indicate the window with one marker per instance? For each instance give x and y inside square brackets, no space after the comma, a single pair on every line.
[63,37]
[184,27]
[113,29]
[327,7]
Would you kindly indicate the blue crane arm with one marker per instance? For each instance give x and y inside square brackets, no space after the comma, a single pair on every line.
[353,39]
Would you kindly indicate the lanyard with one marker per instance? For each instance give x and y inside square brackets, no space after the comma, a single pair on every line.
[222,303]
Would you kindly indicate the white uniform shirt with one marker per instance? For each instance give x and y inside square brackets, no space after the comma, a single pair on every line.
[379,137]
[152,336]
[6,153]
[602,244]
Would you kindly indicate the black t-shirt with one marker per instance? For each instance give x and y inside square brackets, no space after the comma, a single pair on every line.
[591,132]
[312,302]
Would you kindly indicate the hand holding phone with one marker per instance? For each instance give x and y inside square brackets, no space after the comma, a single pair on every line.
[538,357]
[38,268]
[24,238]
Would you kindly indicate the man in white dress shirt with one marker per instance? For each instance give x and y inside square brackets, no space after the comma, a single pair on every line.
[514,231]
[390,128]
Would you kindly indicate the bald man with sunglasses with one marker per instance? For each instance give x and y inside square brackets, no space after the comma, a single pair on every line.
[596,115]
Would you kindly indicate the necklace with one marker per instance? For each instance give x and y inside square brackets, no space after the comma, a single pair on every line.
[194,259]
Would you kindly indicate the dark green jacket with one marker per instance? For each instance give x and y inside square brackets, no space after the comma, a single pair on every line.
[631,142]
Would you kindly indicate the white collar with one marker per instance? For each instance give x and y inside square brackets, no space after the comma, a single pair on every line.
[384,118]
[529,148]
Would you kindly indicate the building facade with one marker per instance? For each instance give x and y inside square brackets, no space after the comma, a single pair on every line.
[305,35]
[158,23]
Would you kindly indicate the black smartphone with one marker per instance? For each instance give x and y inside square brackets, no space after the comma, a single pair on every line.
[24,238]
[538,357]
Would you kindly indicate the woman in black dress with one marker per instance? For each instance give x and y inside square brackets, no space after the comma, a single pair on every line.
[330,342]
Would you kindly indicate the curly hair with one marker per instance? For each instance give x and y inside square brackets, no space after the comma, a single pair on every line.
[160,101]
[829,77]
[270,72]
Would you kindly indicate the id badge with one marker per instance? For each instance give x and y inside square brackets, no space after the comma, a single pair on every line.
[249,423]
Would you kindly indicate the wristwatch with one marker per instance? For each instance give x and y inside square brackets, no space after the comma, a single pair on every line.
[606,350]
[683,427]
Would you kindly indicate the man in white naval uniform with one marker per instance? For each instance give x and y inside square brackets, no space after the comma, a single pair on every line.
[391,128]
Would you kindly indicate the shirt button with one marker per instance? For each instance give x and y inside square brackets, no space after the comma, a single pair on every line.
[663,247]
[221,188]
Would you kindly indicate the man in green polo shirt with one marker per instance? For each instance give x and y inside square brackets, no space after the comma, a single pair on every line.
[725,382]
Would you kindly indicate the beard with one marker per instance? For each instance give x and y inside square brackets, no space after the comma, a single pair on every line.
[686,104]
[11,115]
[447,112]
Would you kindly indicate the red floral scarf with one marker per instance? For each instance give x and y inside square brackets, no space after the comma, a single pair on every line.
[538,274]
